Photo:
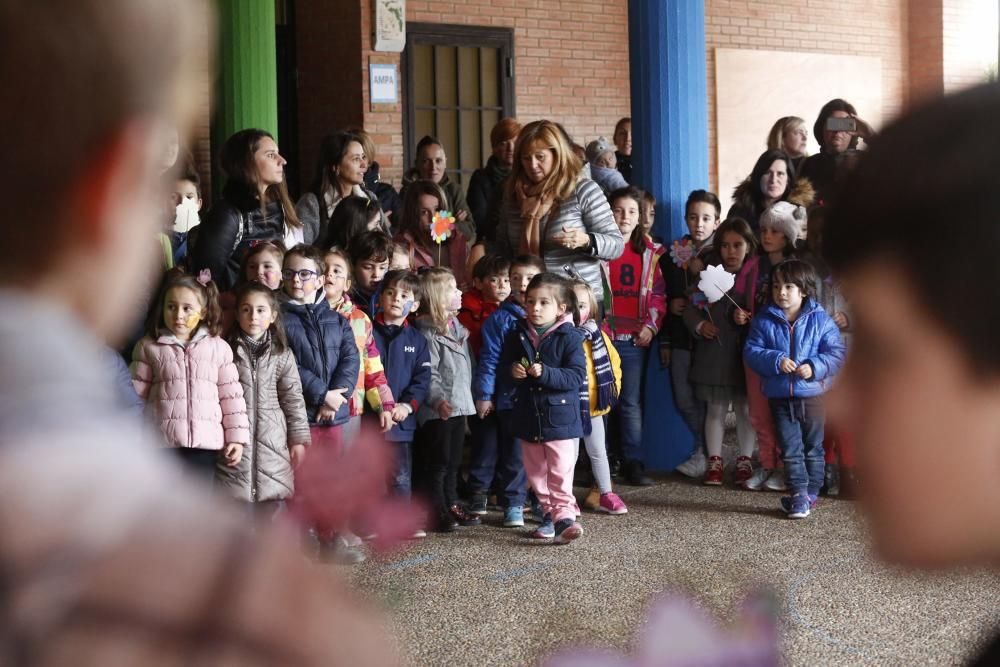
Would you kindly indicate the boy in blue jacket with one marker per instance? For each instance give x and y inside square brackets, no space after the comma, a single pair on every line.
[328,361]
[496,451]
[407,363]
[795,347]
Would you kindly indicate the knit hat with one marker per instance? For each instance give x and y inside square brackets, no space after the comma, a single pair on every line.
[787,218]
[599,147]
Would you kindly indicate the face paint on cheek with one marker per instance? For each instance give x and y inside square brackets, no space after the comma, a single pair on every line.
[193,320]
[407,308]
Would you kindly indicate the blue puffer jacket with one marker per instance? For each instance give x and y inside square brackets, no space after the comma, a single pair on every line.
[325,352]
[493,333]
[813,339]
[407,362]
[545,408]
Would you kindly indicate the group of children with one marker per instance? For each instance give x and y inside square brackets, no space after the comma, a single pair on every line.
[313,346]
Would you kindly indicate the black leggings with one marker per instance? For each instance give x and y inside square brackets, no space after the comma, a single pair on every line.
[441,441]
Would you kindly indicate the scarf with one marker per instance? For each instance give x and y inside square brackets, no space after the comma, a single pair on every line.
[256,348]
[535,205]
[607,392]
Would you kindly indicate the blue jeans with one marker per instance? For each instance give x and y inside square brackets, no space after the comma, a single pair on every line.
[630,398]
[496,454]
[692,410]
[799,423]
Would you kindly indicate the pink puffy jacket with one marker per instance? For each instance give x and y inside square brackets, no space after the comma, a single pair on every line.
[192,392]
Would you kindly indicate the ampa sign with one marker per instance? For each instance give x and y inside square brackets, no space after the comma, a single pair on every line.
[382,84]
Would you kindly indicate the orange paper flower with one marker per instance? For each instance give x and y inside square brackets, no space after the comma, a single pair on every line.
[442,226]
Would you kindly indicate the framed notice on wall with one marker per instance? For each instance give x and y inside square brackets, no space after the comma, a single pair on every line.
[389,25]
[382,83]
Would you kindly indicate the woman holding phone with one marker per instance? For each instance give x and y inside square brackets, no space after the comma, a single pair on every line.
[837,129]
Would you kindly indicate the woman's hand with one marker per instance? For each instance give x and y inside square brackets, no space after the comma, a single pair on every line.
[519,372]
[232,454]
[535,370]
[572,238]
[863,129]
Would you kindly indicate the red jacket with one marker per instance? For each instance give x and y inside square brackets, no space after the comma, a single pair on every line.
[474,312]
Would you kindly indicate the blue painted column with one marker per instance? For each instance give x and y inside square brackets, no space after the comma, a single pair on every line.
[668,76]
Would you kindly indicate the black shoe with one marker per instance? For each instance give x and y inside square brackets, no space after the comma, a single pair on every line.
[445,522]
[463,517]
[635,474]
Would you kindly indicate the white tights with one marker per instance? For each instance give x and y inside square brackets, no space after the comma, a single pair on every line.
[715,418]
[598,452]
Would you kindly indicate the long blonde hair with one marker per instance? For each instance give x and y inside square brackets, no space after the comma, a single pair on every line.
[776,137]
[566,168]
[434,285]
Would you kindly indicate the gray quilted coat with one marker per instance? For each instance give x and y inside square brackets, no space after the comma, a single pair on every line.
[278,420]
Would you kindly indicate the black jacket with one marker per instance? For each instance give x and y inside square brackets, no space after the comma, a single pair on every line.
[228,231]
[484,196]
[625,166]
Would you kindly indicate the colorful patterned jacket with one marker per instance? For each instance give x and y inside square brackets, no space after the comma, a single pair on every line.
[372,383]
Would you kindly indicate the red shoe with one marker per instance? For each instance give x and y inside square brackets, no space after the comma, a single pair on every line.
[744,469]
[713,475]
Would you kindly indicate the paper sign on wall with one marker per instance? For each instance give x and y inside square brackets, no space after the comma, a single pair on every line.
[389,25]
[382,83]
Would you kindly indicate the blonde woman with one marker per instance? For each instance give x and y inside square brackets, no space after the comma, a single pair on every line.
[550,212]
[790,134]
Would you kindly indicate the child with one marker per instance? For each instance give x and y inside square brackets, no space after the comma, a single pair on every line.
[265,475]
[407,367]
[449,399]
[717,364]
[186,202]
[779,229]
[328,362]
[371,378]
[496,452]
[186,375]
[701,213]
[647,214]
[490,286]
[401,256]
[795,348]
[638,306]
[353,216]
[604,381]
[262,264]
[370,253]
[422,199]
[600,156]
[543,368]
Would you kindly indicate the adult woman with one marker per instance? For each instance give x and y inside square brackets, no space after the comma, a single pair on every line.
[789,134]
[420,202]
[340,172]
[837,143]
[773,179]
[485,190]
[549,212]
[254,207]
[430,165]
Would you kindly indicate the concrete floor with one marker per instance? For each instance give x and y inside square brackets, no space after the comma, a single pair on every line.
[490,596]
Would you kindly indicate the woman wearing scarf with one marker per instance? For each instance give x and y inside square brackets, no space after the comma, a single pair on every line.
[550,212]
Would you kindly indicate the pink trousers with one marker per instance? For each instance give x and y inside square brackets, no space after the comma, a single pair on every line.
[762,422]
[549,467]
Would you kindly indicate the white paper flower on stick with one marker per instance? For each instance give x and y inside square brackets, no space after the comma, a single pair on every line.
[186,216]
[715,282]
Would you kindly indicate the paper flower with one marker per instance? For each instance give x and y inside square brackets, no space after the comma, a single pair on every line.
[442,225]
[715,282]
[681,251]
[186,216]
[679,634]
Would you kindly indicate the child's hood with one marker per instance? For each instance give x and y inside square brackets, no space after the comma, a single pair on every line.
[809,307]
[166,337]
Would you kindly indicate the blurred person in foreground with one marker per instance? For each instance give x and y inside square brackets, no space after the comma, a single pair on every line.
[921,387]
[110,555]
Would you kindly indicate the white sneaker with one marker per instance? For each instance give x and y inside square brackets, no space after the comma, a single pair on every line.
[760,475]
[419,533]
[776,482]
[695,466]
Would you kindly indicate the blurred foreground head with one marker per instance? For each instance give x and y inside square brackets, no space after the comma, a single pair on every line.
[98,91]
[915,236]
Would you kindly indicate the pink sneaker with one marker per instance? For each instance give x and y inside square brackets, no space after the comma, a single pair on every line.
[612,504]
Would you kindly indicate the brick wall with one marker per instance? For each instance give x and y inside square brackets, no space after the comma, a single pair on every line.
[848,27]
[571,60]
[926,49]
